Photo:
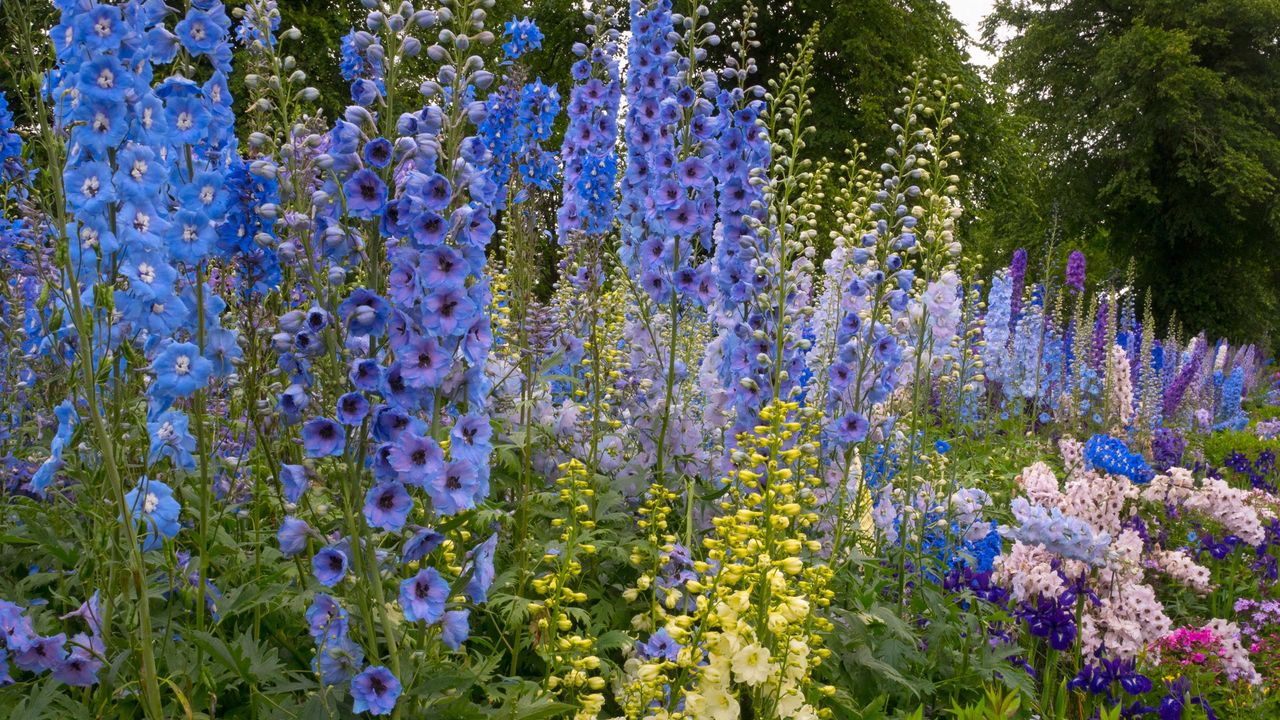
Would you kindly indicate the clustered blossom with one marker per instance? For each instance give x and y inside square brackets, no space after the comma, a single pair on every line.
[1060,534]
[75,661]
[1109,454]
[1075,271]
[589,149]
[1230,507]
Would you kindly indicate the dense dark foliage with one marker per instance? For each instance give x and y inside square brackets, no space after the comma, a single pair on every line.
[1160,124]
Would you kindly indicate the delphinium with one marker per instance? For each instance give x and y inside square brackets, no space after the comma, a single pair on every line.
[134,200]
[762,221]
[516,123]
[1193,358]
[389,382]
[26,251]
[963,382]
[1230,415]
[1167,449]
[996,335]
[1267,429]
[586,217]
[907,217]
[666,216]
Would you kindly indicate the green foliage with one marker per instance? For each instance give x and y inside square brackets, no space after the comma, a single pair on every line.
[942,654]
[1217,446]
[1159,121]
[864,50]
[999,704]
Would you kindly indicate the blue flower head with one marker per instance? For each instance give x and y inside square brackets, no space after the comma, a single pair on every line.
[180,371]
[522,35]
[375,691]
[152,503]
[455,628]
[1111,455]
[329,566]
[481,566]
[387,505]
[337,660]
[293,536]
[322,436]
[423,596]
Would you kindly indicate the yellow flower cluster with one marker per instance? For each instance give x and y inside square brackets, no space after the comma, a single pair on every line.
[500,311]
[573,668]
[655,513]
[751,636]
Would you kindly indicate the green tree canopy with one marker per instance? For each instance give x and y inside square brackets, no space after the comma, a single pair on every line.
[1161,127]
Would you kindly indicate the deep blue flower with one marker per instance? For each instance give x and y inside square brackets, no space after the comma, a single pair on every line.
[387,505]
[423,542]
[329,566]
[16,629]
[42,654]
[199,33]
[417,459]
[295,480]
[152,503]
[470,438]
[171,438]
[851,428]
[481,567]
[322,436]
[422,597]
[375,690]
[522,36]
[326,618]
[180,371]
[365,374]
[80,667]
[366,194]
[352,408]
[1111,455]
[454,489]
[365,313]
[424,363]
[659,645]
[337,660]
[99,29]
[293,536]
[455,628]
[377,152]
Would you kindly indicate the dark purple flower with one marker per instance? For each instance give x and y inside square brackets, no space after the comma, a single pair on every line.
[322,437]
[387,505]
[1075,271]
[366,194]
[352,408]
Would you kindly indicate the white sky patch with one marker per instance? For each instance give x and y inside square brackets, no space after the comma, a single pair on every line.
[971,13]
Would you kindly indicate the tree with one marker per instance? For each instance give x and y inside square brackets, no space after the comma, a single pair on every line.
[1161,126]
[864,52]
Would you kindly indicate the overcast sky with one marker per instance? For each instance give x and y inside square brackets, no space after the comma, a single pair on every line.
[971,12]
